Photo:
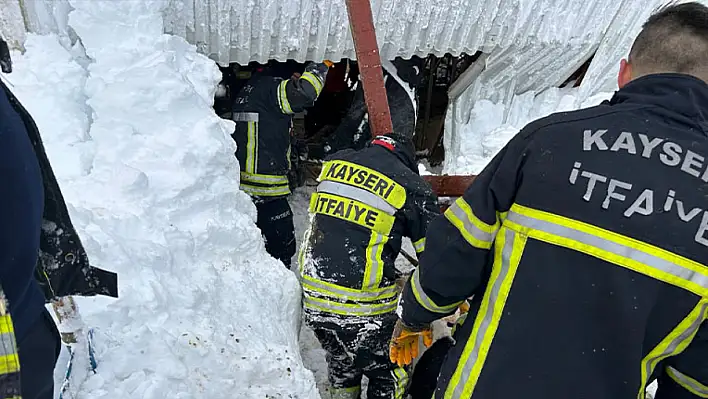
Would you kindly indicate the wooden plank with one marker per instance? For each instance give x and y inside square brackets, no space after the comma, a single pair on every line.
[361,23]
[449,185]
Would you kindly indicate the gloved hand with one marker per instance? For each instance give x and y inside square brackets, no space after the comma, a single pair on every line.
[404,343]
[464,307]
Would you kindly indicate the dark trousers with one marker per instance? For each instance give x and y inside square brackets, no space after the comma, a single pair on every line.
[360,348]
[275,219]
[38,352]
[427,369]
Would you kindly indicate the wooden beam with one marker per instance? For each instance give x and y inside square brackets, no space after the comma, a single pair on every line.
[449,185]
[361,23]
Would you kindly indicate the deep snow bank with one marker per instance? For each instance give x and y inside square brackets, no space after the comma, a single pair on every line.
[148,171]
[492,125]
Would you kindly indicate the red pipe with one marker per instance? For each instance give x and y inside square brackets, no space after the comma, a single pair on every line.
[361,23]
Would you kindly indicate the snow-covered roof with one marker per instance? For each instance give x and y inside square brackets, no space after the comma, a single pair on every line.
[242,31]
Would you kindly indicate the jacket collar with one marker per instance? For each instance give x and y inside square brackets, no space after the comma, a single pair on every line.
[679,97]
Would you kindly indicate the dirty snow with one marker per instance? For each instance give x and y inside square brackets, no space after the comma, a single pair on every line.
[149,174]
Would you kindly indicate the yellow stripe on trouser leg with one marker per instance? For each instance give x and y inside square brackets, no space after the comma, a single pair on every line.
[674,343]
[508,249]
[346,393]
[400,376]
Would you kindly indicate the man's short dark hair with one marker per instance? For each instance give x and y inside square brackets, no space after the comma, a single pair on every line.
[673,40]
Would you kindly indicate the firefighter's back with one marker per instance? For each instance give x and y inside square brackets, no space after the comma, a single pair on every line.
[612,277]
[358,226]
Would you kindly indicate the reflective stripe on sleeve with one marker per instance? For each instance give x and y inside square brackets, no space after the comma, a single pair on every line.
[283,98]
[425,301]
[348,309]
[9,361]
[476,232]
[687,382]
[611,247]
[419,245]
[245,117]
[314,81]
[507,255]
[366,197]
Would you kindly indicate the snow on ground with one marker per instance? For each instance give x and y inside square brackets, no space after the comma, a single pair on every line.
[149,174]
[492,125]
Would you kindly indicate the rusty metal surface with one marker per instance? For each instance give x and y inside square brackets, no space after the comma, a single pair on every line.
[361,24]
[449,185]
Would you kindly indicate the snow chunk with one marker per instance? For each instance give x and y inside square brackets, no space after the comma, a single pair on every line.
[492,125]
[204,311]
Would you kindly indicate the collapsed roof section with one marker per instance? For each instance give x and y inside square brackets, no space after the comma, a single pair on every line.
[258,30]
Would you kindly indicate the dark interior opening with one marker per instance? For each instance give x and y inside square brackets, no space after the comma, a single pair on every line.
[312,127]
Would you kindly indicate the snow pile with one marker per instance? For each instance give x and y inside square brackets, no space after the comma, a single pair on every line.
[492,125]
[149,174]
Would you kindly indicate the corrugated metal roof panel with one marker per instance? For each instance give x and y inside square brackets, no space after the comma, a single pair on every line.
[258,30]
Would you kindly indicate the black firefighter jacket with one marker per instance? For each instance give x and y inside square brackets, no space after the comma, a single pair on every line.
[584,246]
[354,131]
[63,267]
[366,201]
[263,112]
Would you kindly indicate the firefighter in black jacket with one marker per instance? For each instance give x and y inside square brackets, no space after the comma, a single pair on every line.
[263,112]
[584,243]
[366,201]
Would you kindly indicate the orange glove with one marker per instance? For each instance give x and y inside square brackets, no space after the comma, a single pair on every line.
[328,63]
[404,343]
[464,307]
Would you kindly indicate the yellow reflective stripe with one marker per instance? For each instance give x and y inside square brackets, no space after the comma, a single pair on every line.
[273,191]
[352,211]
[365,179]
[314,81]
[611,247]
[476,232]
[345,393]
[401,378]
[674,343]
[373,271]
[688,383]
[325,288]
[356,193]
[245,117]
[283,98]
[348,309]
[251,147]
[6,325]
[419,245]
[264,179]
[424,300]
[507,255]
[9,363]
